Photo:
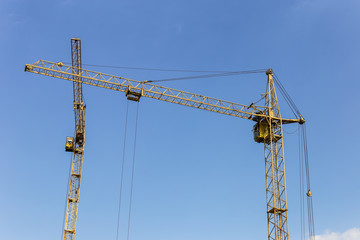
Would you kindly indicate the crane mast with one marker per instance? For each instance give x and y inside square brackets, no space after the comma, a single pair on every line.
[79,143]
[277,215]
[267,130]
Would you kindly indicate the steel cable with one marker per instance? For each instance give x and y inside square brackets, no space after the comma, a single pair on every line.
[301,188]
[132,172]
[286,94]
[304,163]
[158,69]
[287,97]
[216,73]
[209,75]
[309,197]
[122,170]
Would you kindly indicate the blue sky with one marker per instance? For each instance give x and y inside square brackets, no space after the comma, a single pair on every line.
[198,174]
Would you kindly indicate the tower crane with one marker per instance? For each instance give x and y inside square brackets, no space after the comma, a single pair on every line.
[267,130]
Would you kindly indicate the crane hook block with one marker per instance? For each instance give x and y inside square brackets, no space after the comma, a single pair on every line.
[133,96]
[69,146]
[309,193]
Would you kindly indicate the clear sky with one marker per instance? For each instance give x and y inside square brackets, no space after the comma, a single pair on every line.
[198,175]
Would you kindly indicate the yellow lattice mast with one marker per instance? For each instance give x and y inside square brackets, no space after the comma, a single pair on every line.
[277,214]
[267,130]
[79,143]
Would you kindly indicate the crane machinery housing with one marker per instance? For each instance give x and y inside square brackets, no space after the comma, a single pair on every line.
[268,129]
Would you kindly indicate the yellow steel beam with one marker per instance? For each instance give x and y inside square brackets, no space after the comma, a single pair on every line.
[138,88]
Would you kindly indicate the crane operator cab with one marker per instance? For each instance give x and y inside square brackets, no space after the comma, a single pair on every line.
[69,146]
[262,133]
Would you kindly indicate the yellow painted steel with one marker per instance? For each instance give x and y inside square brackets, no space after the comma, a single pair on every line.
[143,89]
[79,144]
[69,146]
[277,212]
[267,130]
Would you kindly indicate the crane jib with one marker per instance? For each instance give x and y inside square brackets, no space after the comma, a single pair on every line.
[136,89]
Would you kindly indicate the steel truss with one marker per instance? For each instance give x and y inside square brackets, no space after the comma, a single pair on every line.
[277,213]
[78,154]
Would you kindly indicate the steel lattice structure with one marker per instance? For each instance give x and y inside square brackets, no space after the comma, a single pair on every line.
[144,89]
[78,153]
[268,116]
[277,214]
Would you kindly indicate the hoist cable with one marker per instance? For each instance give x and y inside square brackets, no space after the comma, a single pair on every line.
[306,158]
[132,172]
[305,164]
[122,171]
[301,188]
[209,75]
[309,198]
[311,217]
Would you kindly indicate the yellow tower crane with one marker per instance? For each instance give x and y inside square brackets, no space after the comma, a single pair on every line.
[267,130]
